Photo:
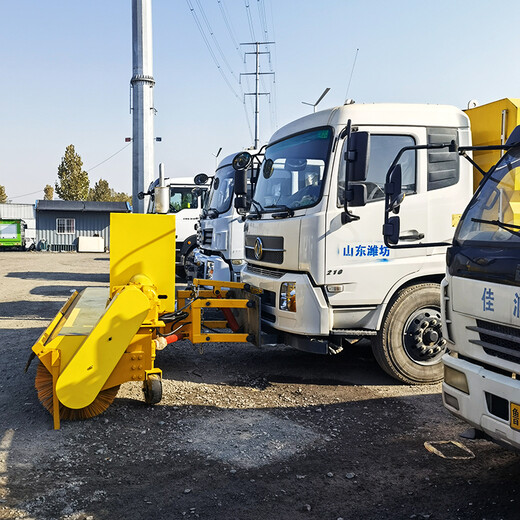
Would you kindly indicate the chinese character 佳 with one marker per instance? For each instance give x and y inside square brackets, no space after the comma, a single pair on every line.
[488,300]
[516,304]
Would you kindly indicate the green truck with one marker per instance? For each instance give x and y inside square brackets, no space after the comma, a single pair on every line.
[12,234]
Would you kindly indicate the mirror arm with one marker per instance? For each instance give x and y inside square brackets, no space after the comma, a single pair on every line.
[475,165]
[452,148]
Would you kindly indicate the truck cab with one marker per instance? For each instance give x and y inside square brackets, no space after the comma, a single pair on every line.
[481,307]
[186,204]
[328,278]
[220,251]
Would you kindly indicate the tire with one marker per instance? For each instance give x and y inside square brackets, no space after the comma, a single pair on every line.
[409,345]
[152,389]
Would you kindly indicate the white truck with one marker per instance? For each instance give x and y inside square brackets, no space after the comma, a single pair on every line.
[220,251]
[179,195]
[481,305]
[328,278]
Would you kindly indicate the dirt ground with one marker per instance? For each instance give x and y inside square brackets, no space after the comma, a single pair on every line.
[241,433]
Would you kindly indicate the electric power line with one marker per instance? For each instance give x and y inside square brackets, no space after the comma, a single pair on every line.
[88,170]
[229,28]
[250,21]
[24,195]
[108,158]
[210,50]
[213,37]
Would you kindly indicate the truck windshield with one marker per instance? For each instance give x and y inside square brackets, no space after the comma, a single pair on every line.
[182,198]
[292,172]
[221,192]
[493,215]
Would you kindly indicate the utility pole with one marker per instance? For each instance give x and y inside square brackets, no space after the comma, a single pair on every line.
[257,92]
[142,108]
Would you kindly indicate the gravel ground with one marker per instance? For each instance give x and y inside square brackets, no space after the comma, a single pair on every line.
[241,432]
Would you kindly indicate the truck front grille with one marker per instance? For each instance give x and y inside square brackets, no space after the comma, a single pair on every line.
[497,340]
[263,271]
[272,249]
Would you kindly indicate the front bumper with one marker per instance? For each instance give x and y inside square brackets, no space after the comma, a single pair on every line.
[488,404]
[312,316]
[212,267]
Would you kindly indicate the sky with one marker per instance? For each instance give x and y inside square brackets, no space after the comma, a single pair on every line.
[68,64]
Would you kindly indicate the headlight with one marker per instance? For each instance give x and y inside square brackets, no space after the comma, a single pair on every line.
[210,267]
[237,262]
[456,379]
[288,296]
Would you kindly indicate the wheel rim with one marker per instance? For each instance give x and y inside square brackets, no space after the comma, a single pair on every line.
[422,336]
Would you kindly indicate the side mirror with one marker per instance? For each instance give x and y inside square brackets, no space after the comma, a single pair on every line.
[241,203]
[393,191]
[240,183]
[357,156]
[356,195]
[200,179]
[242,161]
[197,192]
[391,230]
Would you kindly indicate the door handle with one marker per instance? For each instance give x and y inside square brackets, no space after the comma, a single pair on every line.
[411,234]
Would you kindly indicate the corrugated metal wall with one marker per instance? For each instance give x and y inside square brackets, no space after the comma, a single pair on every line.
[14,211]
[87,224]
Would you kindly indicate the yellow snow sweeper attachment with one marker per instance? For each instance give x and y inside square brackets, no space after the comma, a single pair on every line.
[103,337]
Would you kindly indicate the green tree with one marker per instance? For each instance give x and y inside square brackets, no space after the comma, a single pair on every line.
[3,194]
[121,197]
[48,192]
[73,182]
[101,191]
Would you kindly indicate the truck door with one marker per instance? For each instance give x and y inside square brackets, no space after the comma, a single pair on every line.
[356,255]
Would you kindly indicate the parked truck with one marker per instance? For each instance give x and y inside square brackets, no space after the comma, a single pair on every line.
[313,238]
[182,197]
[220,249]
[12,234]
[481,292]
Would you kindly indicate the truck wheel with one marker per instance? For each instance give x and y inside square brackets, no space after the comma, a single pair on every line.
[410,345]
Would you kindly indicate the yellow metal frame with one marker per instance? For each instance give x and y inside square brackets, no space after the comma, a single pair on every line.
[114,343]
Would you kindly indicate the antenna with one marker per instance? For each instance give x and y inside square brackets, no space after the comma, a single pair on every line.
[351,73]
[319,99]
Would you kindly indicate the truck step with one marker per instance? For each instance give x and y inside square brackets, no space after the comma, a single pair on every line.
[352,332]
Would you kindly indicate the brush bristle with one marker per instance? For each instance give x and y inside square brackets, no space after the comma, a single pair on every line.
[43,384]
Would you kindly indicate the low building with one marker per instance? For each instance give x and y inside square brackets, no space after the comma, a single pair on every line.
[71,225]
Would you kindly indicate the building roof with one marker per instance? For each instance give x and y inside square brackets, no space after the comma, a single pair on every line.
[14,211]
[82,205]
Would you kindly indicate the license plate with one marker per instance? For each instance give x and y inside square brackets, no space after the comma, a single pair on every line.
[514,416]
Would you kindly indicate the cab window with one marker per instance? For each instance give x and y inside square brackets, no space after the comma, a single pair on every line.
[383,150]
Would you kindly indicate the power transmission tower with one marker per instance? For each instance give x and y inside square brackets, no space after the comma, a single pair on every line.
[257,75]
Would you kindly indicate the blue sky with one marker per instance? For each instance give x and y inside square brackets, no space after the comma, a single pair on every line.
[68,63]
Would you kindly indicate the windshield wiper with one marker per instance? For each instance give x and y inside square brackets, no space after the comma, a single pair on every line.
[258,208]
[514,230]
[286,211]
